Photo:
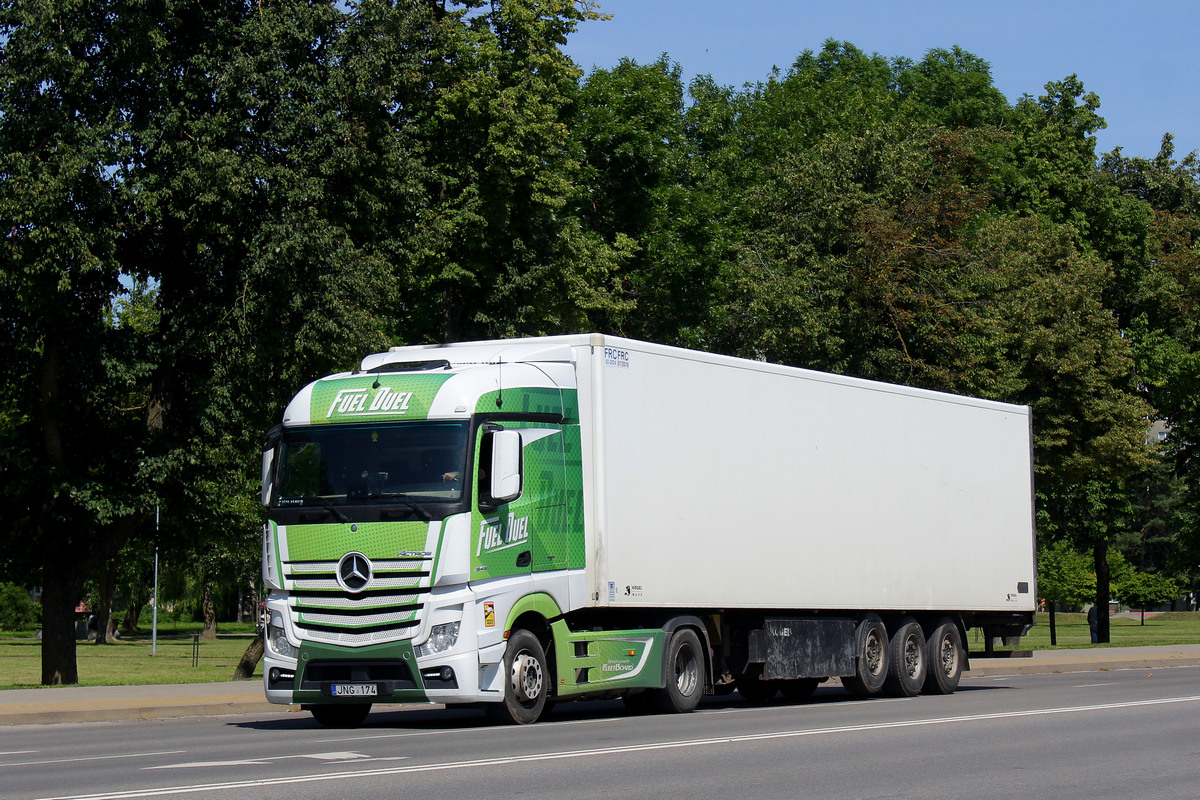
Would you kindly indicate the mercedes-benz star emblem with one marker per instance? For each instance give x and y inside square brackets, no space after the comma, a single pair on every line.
[354,572]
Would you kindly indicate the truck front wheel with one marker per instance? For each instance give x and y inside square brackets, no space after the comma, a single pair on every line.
[527,681]
[685,674]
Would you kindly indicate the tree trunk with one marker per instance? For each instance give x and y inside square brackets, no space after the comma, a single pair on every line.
[1053,633]
[208,607]
[1103,590]
[254,653]
[132,615]
[61,587]
[104,602]
[61,590]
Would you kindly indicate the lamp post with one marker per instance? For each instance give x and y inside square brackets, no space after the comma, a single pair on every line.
[154,605]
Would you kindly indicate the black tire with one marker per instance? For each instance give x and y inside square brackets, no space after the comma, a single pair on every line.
[799,689]
[945,658]
[755,690]
[526,681]
[341,716]
[871,658]
[639,702]
[909,660]
[684,674]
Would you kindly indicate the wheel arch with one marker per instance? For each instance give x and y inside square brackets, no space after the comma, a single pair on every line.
[674,624]
[534,613]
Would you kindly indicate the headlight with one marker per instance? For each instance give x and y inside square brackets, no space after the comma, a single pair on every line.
[441,639]
[277,638]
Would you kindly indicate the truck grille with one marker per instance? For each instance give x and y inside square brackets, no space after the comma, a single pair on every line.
[388,608]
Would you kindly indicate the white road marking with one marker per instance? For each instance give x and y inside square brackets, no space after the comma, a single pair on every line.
[343,756]
[1090,685]
[603,751]
[90,758]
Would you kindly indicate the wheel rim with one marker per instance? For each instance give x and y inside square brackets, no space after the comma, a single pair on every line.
[527,679]
[686,671]
[948,656]
[873,653]
[912,656]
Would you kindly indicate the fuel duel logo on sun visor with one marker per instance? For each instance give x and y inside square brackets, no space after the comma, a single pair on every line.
[408,396]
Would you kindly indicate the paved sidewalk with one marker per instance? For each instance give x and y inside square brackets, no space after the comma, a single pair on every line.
[1089,660]
[99,703]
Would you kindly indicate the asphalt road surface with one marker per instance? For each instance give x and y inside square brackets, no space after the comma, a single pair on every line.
[1122,734]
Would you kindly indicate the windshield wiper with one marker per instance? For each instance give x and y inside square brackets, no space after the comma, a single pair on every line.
[328,506]
[408,501]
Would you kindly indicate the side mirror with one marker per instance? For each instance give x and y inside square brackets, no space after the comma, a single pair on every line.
[270,445]
[268,462]
[506,467]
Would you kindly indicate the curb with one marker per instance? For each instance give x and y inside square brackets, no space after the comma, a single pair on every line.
[50,716]
[1007,666]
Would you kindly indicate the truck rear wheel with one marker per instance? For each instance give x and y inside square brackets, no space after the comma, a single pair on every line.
[908,656]
[871,657]
[945,652]
[799,689]
[685,674]
[527,681]
[341,716]
[755,689]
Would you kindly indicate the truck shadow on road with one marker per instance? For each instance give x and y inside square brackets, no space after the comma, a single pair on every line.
[425,718]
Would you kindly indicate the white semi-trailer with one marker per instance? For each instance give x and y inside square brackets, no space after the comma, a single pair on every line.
[514,523]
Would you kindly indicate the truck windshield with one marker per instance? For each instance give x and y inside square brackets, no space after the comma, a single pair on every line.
[332,465]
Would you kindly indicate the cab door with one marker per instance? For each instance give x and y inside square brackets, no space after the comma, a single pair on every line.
[528,533]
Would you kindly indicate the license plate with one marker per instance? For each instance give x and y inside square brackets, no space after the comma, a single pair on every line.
[354,690]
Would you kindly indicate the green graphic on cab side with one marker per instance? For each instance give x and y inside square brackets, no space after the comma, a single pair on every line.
[599,660]
[541,530]
[528,400]
[530,534]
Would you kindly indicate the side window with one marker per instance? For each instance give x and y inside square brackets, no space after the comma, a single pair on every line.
[483,489]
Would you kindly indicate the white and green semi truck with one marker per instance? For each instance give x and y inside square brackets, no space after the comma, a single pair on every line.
[523,522]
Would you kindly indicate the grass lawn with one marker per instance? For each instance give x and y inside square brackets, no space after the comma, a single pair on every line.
[1175,627]
[128,660]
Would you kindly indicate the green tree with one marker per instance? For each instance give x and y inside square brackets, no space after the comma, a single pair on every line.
[17,611]
[1141,589]
[1064,576]
[503,255]
[70,439]
[1058,349]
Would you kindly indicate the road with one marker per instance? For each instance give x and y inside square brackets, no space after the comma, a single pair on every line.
[1120,734]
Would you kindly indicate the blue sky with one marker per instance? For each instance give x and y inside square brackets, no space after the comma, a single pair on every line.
[1142,58]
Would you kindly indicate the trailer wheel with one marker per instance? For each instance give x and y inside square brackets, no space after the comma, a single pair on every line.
[945,658]
[341,716]
[871,658]
[755,689]
[799,689]
[685,675]
[906,673]
[528,683]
